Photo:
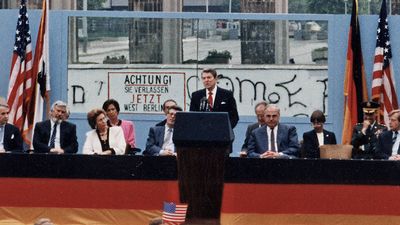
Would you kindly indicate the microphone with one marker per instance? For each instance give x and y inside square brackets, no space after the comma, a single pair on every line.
[203,104]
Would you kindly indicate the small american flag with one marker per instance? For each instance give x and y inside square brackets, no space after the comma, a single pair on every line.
[174,214]
[383,85]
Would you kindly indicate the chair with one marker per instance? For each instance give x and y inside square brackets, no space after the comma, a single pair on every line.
[335,151]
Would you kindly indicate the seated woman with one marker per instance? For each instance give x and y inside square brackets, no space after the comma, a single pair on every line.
[103,140]
[111,107]
[317,137]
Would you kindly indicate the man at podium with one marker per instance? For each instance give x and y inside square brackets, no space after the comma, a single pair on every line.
[213,98]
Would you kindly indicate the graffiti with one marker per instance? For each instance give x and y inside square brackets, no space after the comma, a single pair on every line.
[286,91]
[324,94]
[291,94]
[100,86]
[75,90]
[264,88]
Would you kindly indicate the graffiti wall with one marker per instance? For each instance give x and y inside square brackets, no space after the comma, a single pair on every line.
[298,91]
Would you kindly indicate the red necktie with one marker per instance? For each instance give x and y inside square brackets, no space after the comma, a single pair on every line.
[210,100]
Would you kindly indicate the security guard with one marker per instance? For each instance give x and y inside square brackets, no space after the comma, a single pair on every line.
[365,134]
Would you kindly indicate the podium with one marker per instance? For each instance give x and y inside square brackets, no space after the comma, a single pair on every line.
[202,140]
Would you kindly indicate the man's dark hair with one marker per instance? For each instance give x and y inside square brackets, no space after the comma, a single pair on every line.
[175,107]
[168,100]
[209,70]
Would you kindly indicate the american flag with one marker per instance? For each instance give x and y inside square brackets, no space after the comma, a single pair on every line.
[20,84]
[174,214]
[383,84]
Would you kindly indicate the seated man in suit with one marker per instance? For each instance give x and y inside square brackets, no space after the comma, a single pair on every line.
[213,98]
[260,111]
[365,134]
[275,140]
[55,135]
[388,146]
[165,107]
[10,137]
[159,141]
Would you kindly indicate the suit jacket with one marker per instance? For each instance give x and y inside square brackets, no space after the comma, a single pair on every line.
[116,141]
[68,139]
[369,141]
[287,141]
[155,140]
[12,141]
[224,102]
[384,145]
[311,144]
[250,128]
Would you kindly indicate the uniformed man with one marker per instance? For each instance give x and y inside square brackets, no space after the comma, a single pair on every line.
[365,134]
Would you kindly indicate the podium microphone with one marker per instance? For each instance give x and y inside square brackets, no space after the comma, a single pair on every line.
[203,104]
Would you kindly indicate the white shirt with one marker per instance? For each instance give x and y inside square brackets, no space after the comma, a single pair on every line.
[168,143]
[57,140]
[396,144]
[2,127]
[320,137]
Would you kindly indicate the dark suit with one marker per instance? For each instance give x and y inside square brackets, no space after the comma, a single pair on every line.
[250,128]
[384,145]
[12,141]
[223,102]
[311,144]
[155,140]
[369,140]
[287,141]
[68,139]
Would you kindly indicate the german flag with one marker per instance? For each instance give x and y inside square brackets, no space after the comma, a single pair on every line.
[355,86]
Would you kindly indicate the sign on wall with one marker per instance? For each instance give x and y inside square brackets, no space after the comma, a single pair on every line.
[145,92]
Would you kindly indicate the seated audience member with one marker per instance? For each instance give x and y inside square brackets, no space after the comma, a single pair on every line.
[318,136]
[159,141]
[103,140]
[55,135]
[111,107]
[10,137]
[365,134]
[388,146]
[166,105]
[275,140]
[260,111]
[156,221]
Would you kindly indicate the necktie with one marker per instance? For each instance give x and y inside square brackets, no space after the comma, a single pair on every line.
[167,138]
[210,100]
[272,140]
[1,134]
[53,135]
[394,137]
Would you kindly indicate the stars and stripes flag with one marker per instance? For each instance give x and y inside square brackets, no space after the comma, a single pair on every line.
[40,77]
[355,85]
[174,214]
[20,84]
[383,84]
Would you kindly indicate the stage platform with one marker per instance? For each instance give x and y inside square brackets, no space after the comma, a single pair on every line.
[83,189]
